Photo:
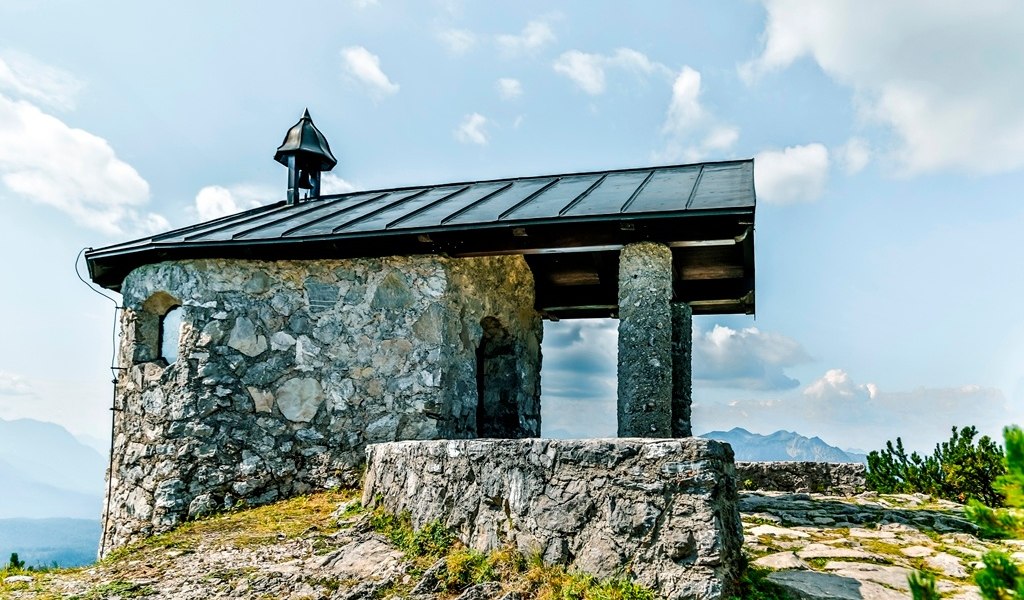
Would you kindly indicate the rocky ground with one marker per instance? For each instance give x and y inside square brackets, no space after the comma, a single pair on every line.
[863,547]
[818,547]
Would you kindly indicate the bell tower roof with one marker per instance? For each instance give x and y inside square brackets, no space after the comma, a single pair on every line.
[307,144]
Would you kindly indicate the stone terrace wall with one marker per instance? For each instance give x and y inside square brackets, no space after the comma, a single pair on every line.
[666,509]
[839,479]
[287,370]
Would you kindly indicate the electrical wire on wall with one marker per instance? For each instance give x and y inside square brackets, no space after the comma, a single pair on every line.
[115,370]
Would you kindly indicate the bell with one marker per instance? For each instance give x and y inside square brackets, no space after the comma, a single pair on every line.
[304,180]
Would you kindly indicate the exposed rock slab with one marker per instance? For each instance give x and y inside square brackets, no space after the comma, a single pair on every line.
[666,508]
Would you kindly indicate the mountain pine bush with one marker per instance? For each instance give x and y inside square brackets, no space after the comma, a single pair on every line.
[959,470]
[1001,577]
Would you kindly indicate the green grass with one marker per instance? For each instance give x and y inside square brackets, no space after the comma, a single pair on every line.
[246,527]
[430,541]
[753,584]
[121,589]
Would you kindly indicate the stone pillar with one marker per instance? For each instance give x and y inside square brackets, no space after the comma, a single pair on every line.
[645,341]
[682,369]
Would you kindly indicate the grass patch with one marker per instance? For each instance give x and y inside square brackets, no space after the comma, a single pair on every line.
[753,584]
[554,582]
[121,589]
[432,540]
[246,527]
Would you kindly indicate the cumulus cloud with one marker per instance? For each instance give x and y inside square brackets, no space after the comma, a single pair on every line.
[746,359]
[684,111]
[587,70]
[952,100]
[509,89]
[533,37]
[332,184]
[836,384]
[364,66]
[25,77]
[215,201]
[844,412]
[794,174]
[471,130]
[579,386]
[693,132]
[46,161]
[457,41]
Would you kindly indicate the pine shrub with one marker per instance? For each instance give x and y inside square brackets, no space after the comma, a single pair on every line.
[959,470]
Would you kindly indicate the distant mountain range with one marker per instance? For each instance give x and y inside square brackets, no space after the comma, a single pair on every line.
[43,542]
[45,472]
[781,445]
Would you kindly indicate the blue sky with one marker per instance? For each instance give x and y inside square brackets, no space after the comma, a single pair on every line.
[888,141]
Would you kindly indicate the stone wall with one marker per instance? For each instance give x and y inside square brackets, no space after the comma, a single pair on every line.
[664,509]
[287,370]
[839,479]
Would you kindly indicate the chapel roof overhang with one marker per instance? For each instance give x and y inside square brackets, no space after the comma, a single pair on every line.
[569,227]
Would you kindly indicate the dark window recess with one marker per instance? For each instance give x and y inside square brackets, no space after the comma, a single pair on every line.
[497,383]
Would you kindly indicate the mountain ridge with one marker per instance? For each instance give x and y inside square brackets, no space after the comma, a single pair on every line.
[781,445]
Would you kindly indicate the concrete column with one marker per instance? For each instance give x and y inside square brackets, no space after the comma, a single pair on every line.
[645,341]
[682,369]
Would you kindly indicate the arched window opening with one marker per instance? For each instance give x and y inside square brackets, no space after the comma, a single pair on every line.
[497,383]
[170,334]
[155,330]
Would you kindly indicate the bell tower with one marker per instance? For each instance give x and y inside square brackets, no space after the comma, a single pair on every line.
[306,154]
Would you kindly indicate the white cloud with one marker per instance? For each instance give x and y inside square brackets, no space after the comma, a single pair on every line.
[693,132]
[332,184]
[13,385]
[854,155]
[795,174]
[534,36]
[587,70]
[746,359]
[684,110]
[215,201]
[457,41]
[471,130]
[721,138]
[364,67]
[944,76]
[509,89]
[837,384]
[46,161]
[851,414]
[23,76]
[364,3]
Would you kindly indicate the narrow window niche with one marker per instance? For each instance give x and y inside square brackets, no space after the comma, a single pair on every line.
[158,329]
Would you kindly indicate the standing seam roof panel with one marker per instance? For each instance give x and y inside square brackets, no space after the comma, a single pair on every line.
[724,186]
[609,197]
[492,209]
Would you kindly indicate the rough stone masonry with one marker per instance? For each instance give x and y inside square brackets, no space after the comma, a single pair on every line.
[664,509]
[286,370]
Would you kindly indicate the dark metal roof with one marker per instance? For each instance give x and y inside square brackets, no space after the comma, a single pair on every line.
[570,227]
